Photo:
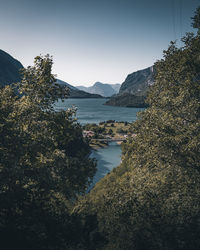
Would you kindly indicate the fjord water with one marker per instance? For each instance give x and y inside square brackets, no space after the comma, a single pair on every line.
[94,111]
[107,158]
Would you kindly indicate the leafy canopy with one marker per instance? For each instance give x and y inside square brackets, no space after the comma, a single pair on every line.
[44,162]
[152,200]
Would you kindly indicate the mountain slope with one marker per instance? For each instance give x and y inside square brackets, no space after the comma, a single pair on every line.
[116,87]
[9,69]
[103,89]
[62,83]
[127,100]
[10,73]
[76,93]
[134,89]
[138,82]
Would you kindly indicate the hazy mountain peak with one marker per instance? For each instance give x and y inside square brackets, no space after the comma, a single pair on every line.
[75,92]
[103,89]
[10,73]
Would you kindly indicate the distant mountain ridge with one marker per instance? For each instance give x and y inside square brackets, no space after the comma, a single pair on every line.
[63,83]
[134,89]
[9,69]
[103,89]
[132,92]
[75,92]
[10,73]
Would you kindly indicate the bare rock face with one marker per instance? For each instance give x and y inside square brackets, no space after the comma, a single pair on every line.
[138,82]
[134,89]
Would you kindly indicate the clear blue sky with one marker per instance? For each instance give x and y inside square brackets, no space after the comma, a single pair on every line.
[93,40]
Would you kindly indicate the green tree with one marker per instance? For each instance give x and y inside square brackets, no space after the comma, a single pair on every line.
[152,200]
[110,131]
[44,163]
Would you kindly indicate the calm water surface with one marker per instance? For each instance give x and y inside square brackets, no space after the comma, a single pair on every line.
[93,111]
[107,158]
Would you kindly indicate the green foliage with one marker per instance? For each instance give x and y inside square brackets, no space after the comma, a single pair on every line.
[196,20]
[95,128]
[110,131]
[39,85]
[44,163]
[152,200]
[121,131]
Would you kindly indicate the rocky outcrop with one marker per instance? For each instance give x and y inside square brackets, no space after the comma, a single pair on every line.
[138,82]
[134,89]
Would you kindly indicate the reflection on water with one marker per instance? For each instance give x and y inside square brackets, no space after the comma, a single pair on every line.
[107,158]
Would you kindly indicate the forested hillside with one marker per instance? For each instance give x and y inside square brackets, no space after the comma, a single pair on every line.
[152,200]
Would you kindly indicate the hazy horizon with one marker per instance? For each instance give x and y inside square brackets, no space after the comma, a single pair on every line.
[93,41]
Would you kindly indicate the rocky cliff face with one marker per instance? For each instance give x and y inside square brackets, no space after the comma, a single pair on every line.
[138,82]
[9,69]
[134,89]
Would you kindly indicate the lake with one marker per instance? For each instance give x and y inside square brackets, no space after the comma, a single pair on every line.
[92,110]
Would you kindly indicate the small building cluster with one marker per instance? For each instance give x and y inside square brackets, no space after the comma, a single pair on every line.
[88,133]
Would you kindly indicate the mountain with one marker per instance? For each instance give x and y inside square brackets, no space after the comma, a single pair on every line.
[138,82]
[62,83]
[10,73]
[9,69]
[127,100]
[116,87]
[76,93]
[134,89]
[83,88]
[103,89]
